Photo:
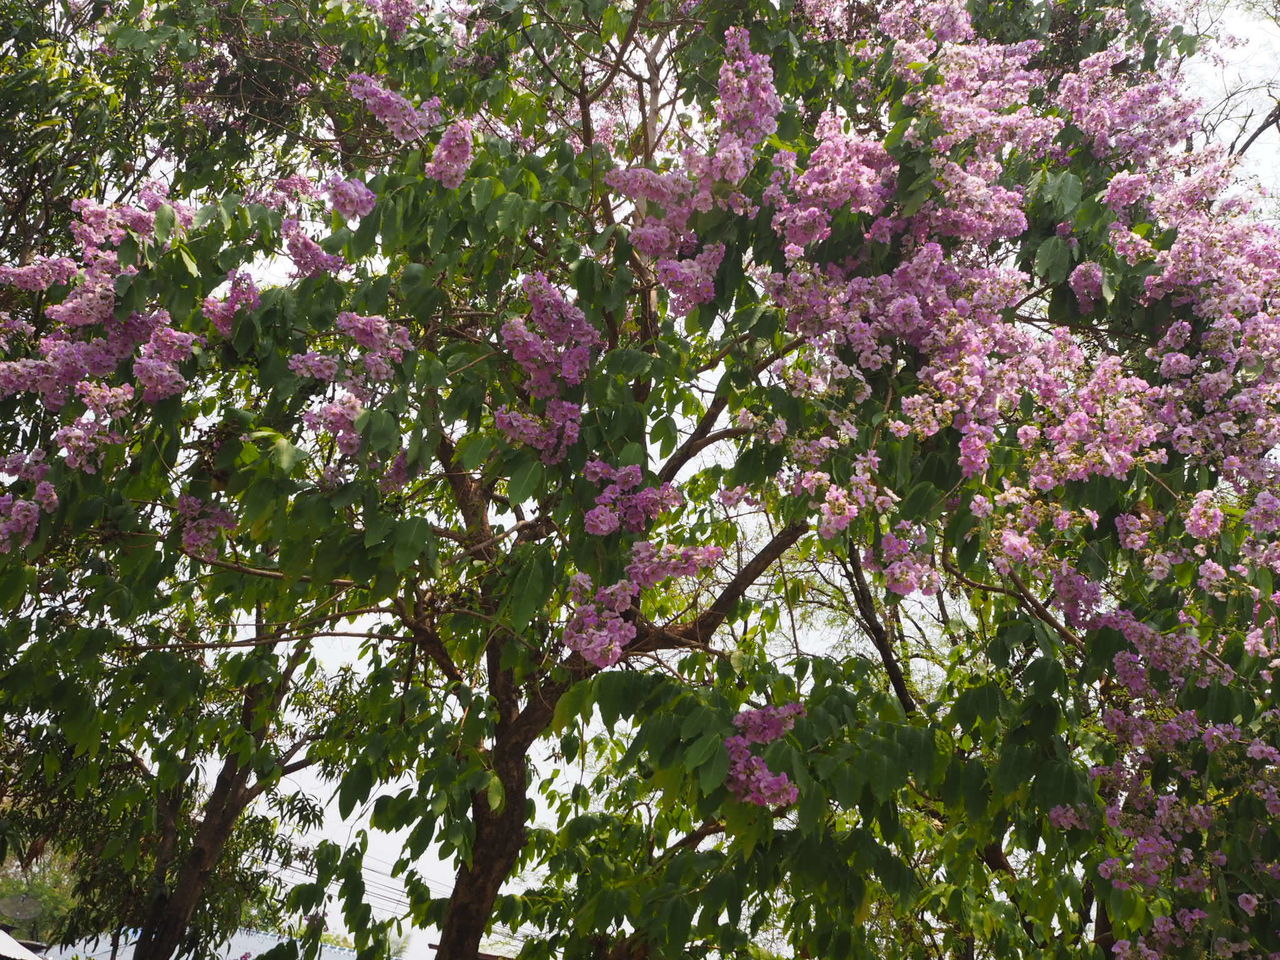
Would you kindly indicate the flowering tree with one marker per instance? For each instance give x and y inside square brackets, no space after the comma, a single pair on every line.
[802,468]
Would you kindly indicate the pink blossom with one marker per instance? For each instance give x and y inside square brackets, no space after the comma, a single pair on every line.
[350,198]
[402,119]
[452,155]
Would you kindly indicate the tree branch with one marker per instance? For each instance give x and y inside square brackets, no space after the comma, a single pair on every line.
[701,629]
[875,629]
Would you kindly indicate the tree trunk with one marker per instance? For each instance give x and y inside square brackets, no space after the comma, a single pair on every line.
[499,838]
[170,911]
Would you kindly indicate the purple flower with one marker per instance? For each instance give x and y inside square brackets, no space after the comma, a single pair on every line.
[351,198]
[452,155]
[601,521]
[402,119]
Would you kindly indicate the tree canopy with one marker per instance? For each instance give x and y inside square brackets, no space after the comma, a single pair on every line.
[798,473]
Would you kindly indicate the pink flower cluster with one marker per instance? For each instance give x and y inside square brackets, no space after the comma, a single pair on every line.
[81,440]
[18,520]
[156,367]
[551,433]
[384,342]
[749,105]
[1086,284]
[12,328]
[338,419]
[906,564]
[691,281]
[452,156]
[19,517]
[621,504]
[243,293]
[84,346]
[598,626]
[845,172]
[747,110]
[350,197]
[402,119]
[396,15]
[554,347]
[201,524]
[750,778]
[309,258]
[841,505]
[41,274]
[318,366]
[1139,121]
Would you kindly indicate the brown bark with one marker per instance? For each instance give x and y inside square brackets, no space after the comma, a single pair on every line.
[171,908]
[500,834]
[170,911]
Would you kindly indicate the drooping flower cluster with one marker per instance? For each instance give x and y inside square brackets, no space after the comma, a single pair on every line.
[309,258]
[906,563]
[20,517]
[600,624]
[41,274]
[750,778]
[621,503]
[840,505]
[396,15]
[748,106]
[747,111]
[402,119]
[156,367]
[201,523]
[552,433]
[553,346]
[380,344]
[243,293]
[845,172]
[72,363]
[338,419]
[383,342]
[452,156]
[350,197]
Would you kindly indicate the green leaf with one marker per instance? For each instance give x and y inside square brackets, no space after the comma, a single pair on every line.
[164,222]
[354,788]
[483,190]
[612,25]
[530,589]
[473,449]
[712,772]
[188,261]
[628,363]
[1053,260]
[286,455]
[381,429]
[525,480]
[702,750]
[571,704]
[495,793]
[1066,194]
[412,538]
